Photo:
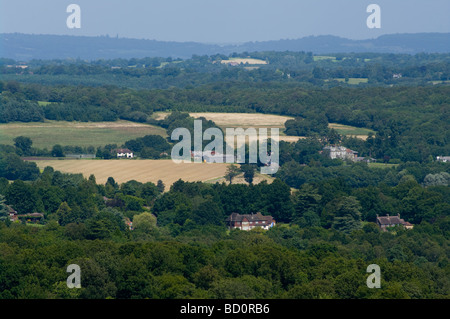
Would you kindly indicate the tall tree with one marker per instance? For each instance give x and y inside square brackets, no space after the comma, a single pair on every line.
[160,185]
[347,214]
[3,207]
[144,222]
[306,201]
[279,203]
[249,172]
[232,172]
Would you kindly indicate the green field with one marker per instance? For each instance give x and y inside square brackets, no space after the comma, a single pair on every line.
[43,103]
[47,134]
[323,57]
[84,134]
[382,165]
[354,81]
[351,130]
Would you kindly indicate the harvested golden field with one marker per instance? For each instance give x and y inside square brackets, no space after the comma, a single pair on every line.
[258,120]
[240,179]
[140,170]
[243,120]
[291,139]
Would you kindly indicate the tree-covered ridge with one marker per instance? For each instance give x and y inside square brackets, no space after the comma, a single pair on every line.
[293,68]
[324,241]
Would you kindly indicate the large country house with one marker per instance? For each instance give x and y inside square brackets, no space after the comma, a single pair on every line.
[249,221]
[341,152]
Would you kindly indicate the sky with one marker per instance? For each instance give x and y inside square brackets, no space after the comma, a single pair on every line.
[220,21]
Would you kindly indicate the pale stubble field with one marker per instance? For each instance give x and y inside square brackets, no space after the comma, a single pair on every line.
[123,170]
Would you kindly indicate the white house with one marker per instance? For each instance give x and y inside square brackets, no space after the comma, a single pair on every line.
[124,152]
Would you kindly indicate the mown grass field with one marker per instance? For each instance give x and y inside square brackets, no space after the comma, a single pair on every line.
[354,81]
[49,133]
[243,120]
[124,170]
[382,165]
[348,130]
[249,61]
[258,120]
[324,57]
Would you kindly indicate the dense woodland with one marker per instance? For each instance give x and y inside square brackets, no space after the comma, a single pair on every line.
[180,246]
[324,240]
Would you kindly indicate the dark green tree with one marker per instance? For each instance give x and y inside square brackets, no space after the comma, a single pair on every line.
[23,144]
[160,185]
[306,201]
[57,151]
[249,172]
[232,172]
[23,197]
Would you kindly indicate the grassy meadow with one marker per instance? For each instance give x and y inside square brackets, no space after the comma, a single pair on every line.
[49,133]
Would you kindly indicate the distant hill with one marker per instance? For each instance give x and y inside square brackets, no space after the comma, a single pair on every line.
[27,46]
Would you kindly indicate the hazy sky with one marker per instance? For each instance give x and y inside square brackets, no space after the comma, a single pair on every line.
[224,21]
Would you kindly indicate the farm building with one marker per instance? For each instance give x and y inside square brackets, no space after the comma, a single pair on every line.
[80,156]
[218,158]
[212,157]
[250,221]
[124,152]
[390,221]
[365,159]
[12,214]
[31,218]
[444,159]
